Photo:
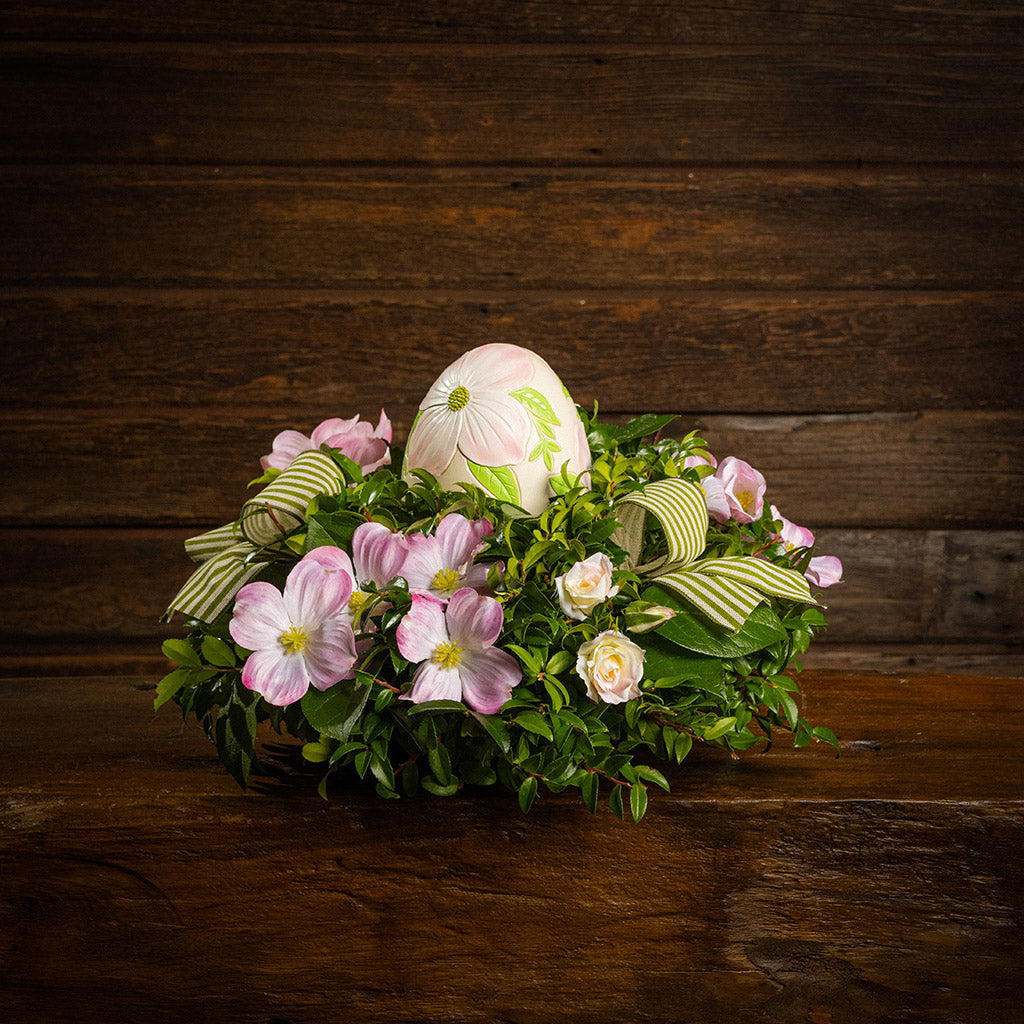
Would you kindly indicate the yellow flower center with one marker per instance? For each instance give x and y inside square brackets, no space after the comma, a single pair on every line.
[447,655]
[746,500]
[356,601]
[458,399]
[293,640]
[445,580]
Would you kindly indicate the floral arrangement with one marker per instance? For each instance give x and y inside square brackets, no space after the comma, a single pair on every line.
[526,595]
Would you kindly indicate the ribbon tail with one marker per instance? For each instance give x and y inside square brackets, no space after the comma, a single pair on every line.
[212,587]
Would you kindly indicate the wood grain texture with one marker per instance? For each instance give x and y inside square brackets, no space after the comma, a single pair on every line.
[233,104]
[786,886]
[707,228]
[884,470]
[714,352]
[901,586]
[441,22]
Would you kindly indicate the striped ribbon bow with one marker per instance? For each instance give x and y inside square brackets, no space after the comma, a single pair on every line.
[232,554]
[726,589]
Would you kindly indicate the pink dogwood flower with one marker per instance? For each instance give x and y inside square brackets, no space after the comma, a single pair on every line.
[442,563]
[377,558]
[470,409]
[743,487]
[791,535]
[355,438]
[455,651]
[717,501]
[299,638]
[825,571]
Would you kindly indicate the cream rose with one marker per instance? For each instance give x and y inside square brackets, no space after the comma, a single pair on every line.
[612,666]
[586,585]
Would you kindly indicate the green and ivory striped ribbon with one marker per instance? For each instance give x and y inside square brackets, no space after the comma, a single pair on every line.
[233,554]
[726,590]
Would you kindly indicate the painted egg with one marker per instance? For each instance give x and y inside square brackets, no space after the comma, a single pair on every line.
[499,418]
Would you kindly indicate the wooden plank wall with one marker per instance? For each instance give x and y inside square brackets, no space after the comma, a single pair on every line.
[799,226]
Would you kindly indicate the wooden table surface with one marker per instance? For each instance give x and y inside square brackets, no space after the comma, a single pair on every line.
[136,882]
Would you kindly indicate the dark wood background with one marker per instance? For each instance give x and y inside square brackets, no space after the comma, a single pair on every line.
[801,227]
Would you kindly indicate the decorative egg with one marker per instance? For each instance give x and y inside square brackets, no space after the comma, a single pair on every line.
[499,418]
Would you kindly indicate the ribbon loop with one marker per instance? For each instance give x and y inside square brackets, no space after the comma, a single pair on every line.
[726,589]
[231,555]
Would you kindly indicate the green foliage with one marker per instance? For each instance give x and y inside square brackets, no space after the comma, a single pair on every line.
[702,683]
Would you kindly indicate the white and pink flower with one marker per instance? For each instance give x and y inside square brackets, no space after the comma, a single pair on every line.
[611,666]
[586,585]
[455,651]
[791,535]
[355,438]
[441,563]
[299,638]
[377,558]
[825,571]
[742,488]
[470,409]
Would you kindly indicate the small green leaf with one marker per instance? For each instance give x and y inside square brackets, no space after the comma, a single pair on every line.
[615,801]
[440,764]
[436,705]
[589,787]
[720,728]
[335,711]
[789,708]
[433,786]
[315,752]
[559,662]
[683,745]
[169,686]
[533,722]
[638,800]
[496,729]
[218,653]
[181,652]
[652,775]
[527,793]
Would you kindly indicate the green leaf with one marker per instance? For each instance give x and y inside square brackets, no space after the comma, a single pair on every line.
[527,793]
[589,787]
[638,800]
[789,708]
[533,722]
[666,660]
[720,728]
[559,662]
[440,764]
[641,426]
[615,801]
[315,752]
[683,745]
[496,729]
[436,705]
[170,685]
[181,652]
[694,633]
[435,787]
[652,775]
[336,710]
[819,732]
[218,653]
[497,480]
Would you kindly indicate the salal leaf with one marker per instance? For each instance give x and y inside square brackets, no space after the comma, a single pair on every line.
[761,629]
